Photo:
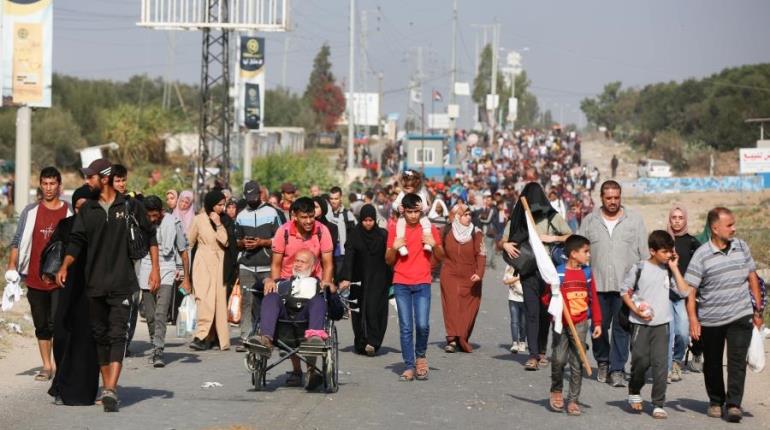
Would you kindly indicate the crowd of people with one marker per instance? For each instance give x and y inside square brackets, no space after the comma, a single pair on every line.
[120,253]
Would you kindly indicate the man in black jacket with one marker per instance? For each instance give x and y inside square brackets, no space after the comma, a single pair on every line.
[101,227]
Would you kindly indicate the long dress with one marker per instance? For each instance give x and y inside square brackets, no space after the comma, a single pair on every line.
[369,268]
[76,380]
[460,297]
[208,279]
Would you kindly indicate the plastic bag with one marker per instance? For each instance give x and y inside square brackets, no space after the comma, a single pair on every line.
[756,355]
[234,305]
[186,318]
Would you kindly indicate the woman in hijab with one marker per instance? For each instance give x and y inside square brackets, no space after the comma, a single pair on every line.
[365,263]
[184,210]
[461,273]
[321,208]
[76,381]
[209,235]
[552,229]
[679,334]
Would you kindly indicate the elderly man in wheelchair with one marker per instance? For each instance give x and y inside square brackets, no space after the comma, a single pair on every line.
[288,306]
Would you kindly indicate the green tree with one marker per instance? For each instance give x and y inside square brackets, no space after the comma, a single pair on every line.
[138,131]
[302,170]
[55,139]
[286,109]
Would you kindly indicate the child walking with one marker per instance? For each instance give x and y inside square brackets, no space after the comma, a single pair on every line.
[581,302]
[648,284]
[516,309]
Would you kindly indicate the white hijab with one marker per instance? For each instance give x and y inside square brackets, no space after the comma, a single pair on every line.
[433,213]
[462,233]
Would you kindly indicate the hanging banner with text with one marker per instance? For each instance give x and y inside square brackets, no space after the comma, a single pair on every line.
[251,88]
[27,51]
[754,160]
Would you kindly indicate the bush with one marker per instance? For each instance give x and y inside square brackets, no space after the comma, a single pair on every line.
[302,170]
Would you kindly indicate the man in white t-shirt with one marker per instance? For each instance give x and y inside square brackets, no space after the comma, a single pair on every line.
[618,241]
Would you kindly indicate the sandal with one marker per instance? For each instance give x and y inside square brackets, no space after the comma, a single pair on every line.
[407,376]
[556,402]
[659,413]
[573,409]
[635,402]
[293,379]
[43,375]
[544,361]
[451,347]
[422,369]
[531,364]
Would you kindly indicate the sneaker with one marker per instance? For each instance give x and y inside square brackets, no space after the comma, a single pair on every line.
[601,375]
[522,347]
[157,359]
[696,364]
[714,411]
[676,372]
[370,351]
[734,414]
[198,345]
[617,380]
[515,348]
[110,401]
[314,380]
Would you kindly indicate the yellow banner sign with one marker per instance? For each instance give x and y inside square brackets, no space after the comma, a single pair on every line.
[27,63]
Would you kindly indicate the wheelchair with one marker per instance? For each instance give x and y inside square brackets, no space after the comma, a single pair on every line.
[290,342]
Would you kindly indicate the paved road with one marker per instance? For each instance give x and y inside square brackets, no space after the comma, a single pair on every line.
[487,388]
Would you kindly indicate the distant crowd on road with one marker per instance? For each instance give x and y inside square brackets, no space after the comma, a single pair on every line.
[92,267]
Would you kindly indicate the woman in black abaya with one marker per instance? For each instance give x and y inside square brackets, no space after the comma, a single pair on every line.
[76,381]
[365,263]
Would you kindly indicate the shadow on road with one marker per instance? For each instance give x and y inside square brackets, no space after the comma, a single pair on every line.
[30,372]
[182,357]
[132,395]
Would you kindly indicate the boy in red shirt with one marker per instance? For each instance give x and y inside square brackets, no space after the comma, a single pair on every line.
[411,285]
[578,291]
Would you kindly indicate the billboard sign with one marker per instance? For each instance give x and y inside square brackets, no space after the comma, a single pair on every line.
[754,160]
[251,81]
[27,51]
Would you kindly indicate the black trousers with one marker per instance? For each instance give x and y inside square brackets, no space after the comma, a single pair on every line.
[737,335]
[43,306]
[110,326]
[649,350]
[537,315]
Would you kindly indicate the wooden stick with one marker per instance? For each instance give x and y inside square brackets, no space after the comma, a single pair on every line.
[567,315]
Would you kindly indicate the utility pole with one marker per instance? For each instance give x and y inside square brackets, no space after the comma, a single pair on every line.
[452,98]
[364,65]
[380,102]
[23,158]
[351,84]
[495,43]
[286,43]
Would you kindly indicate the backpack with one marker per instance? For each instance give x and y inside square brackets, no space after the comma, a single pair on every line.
[138,246]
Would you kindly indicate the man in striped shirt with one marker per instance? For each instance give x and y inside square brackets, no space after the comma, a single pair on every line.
[724,275]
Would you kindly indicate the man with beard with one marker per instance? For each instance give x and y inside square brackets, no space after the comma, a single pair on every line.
[618,241]
[101,230]
[257,224]
[293,241]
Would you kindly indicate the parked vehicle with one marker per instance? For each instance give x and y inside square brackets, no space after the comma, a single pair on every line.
[654,169]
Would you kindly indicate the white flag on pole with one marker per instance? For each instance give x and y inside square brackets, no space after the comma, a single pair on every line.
[549,275]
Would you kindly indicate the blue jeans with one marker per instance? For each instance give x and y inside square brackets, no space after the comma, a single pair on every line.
[518,321]
[413,316]
[679,335]
[617,354]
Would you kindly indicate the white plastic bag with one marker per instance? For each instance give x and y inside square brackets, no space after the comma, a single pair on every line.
[756,355]
[187,316]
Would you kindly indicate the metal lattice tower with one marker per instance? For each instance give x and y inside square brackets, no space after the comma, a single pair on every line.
[216,19]
[215,119]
